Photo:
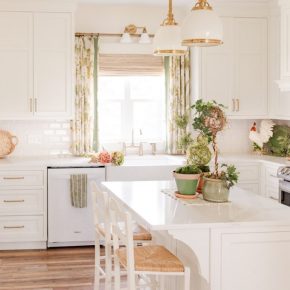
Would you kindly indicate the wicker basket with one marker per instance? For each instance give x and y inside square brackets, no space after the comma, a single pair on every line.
[8,143]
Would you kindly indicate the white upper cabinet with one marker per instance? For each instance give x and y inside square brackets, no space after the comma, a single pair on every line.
[284,81]
[235,74]
[217,69]
[52,64]
[36,65]
[16,64]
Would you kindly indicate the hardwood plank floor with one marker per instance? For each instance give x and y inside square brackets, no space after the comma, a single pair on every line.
[52,269]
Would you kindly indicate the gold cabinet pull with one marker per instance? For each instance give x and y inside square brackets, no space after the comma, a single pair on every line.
[13,227]
[238,104]
[35,105]
[16,201]
[30,104]
[13,177]
[234,105]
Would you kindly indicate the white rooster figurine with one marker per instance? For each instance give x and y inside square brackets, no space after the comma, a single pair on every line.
[262,137]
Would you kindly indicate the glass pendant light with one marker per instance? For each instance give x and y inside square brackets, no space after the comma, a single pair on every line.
[202,27]
[167,40]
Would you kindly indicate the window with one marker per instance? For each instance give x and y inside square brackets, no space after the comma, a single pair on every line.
[131,104]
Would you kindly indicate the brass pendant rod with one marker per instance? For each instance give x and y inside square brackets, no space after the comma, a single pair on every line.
[170,13]
[170,17]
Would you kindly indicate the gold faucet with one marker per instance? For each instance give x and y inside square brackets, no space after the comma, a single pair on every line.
[132,145]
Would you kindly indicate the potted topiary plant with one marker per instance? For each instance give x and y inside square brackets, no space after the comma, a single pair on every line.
[198,154]
[187,178]
[209,119]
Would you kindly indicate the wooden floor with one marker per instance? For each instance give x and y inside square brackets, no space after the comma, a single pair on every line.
[53,269]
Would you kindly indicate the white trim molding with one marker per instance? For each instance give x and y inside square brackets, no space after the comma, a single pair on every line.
[38,5]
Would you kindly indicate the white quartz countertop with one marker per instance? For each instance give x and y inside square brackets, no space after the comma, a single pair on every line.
[71,161]
[151,205]
[130,161]
[46,161]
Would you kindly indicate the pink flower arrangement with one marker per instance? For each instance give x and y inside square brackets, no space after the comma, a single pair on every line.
[104,157]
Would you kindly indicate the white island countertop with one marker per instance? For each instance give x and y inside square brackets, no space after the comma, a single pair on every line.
[152,205]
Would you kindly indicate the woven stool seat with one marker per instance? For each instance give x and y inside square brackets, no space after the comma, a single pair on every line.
[139,233]
[152,259]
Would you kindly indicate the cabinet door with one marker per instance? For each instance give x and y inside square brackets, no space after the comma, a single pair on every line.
[53,64]
[16,69]
[217,69]
[251,260]
[250,84]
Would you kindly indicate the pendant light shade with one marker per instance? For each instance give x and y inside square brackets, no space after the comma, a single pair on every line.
[202,27]
[167,40]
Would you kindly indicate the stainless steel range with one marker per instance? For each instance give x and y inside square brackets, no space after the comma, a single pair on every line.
[284,188]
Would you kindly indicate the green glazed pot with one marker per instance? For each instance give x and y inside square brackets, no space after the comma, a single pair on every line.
[186,183]
[215,190]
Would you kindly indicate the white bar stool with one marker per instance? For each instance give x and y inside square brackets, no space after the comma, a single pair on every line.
[103,231]
[144,260]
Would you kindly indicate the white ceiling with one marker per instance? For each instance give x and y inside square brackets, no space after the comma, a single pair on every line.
[163,2]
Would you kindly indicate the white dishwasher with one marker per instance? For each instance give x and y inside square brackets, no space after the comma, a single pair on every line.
[67,225]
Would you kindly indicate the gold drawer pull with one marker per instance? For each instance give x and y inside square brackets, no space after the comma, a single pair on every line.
[13,178]
[19,200]
[13,227]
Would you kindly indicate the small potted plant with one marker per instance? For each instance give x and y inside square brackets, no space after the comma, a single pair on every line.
[209,119]
[198,154]
[187,178]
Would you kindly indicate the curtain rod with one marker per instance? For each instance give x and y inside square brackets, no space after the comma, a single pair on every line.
[78,34]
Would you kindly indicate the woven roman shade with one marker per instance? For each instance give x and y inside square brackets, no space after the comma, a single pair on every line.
[130,65]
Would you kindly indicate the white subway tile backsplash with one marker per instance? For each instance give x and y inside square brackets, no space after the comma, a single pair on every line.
[48,132]
[60,132]
[55,126]
[40,137]
[66,125]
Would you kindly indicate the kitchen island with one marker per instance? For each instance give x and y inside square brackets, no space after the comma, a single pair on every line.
[240,245]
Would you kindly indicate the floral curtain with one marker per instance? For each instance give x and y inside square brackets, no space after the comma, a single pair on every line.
[178,101]
[82,125]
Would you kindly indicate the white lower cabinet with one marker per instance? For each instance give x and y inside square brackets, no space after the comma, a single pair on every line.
[26,201]
[254,257]
[23,213]
[270,181]
[21,229]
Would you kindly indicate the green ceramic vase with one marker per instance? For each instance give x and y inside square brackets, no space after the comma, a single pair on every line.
[186,183]
[215,190]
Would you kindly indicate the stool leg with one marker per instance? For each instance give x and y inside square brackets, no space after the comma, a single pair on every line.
[162,282]
[117,278]
[153,281]
[108,253]
[97,263]
[186,278]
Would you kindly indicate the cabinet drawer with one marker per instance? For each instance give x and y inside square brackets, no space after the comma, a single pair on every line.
[248,172]
[21,201]
[21,228]
[21,178]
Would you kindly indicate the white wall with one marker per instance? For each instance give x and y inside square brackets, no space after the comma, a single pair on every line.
[42,138]
[112,19]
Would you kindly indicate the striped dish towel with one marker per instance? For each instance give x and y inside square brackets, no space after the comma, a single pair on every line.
[78,190]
